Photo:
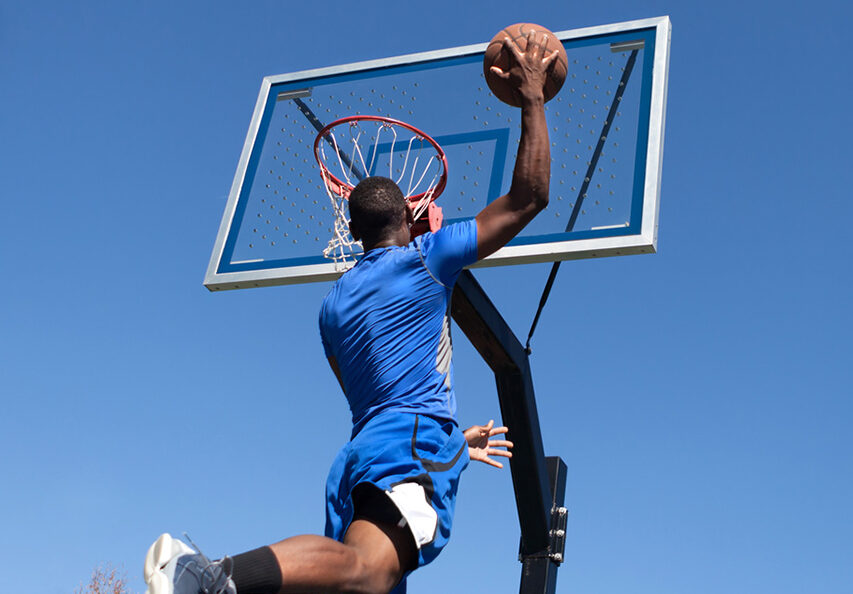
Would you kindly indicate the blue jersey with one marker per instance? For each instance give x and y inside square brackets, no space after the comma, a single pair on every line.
[387,323]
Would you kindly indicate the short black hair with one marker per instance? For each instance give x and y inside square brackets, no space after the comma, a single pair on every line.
[376,207]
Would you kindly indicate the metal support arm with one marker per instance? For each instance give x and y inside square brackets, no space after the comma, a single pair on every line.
[539,498]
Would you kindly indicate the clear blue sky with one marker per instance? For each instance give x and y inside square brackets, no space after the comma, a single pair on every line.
[701,397]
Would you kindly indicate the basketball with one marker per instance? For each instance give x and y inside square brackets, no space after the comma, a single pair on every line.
[496,55]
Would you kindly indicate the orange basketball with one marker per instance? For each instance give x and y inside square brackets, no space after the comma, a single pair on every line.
[496,55]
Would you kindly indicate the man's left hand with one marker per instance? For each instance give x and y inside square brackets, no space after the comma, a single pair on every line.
[481,447]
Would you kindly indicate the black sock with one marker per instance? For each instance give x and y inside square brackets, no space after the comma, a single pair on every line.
[256,572]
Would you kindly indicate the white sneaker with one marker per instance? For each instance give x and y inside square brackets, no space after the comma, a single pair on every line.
[172,567]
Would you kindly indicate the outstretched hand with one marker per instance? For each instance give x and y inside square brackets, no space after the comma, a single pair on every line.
[528,69]
[481,447]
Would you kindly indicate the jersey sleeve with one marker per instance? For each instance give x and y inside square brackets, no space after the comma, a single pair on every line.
[450,249]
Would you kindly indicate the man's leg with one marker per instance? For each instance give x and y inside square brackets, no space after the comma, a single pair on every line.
[372,559]
[377,550]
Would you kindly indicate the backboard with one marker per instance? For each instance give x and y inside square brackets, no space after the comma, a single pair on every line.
[606,129]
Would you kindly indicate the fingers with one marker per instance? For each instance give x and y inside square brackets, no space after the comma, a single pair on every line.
[536,47]
[513,48]
[536,51]
[501,453]
[495,463]
[499,73]
[487,429]
[500,443]
[548,60]
[484,457]
[486,460]
[497,431]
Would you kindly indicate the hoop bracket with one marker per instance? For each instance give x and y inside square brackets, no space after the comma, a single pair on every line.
[556,538]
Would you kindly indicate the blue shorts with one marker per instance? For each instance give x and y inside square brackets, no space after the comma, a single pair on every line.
[416,460]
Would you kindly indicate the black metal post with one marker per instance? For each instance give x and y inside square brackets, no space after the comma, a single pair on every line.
[538,496]
[539,572]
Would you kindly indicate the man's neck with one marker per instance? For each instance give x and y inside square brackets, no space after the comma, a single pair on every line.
[382,244]
[401,238]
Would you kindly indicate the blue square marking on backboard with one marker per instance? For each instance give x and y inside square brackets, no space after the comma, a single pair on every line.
[496,139]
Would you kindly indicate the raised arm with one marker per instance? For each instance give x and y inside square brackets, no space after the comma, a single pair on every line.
[501,220]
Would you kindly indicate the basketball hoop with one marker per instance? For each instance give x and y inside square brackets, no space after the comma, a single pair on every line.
[376,145]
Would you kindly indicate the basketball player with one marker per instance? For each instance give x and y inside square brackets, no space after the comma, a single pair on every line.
[385,329]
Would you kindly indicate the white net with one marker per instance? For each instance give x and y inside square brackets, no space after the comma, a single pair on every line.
[375,146]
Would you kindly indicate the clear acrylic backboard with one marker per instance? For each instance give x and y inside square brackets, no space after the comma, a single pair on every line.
[606,128]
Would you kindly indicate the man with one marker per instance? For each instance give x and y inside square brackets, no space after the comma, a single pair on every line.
[385,329]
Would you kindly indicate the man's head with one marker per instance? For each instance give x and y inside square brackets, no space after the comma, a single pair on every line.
[379,213]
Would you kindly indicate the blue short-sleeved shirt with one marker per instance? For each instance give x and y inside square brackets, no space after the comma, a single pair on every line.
[387,323]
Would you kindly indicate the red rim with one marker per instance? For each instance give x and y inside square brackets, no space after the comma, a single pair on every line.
[439,188]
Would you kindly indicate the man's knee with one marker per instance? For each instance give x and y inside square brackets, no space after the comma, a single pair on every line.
[382,555]
[367,576]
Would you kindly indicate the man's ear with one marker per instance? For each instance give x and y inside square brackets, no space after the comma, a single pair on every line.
[354,232]
[410,217]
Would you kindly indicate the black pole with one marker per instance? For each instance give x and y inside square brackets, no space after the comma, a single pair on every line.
[539,485]
[539,572]
[481,322]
